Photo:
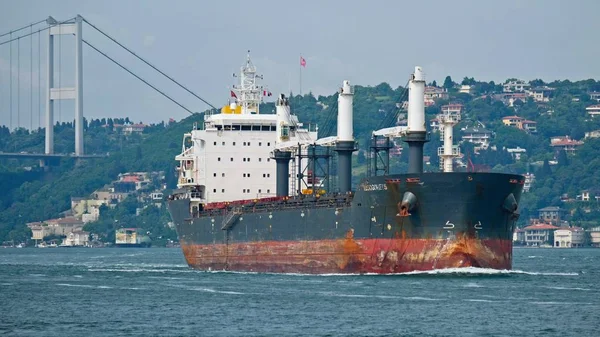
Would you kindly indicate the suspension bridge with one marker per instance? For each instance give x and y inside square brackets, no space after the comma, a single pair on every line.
[24,46]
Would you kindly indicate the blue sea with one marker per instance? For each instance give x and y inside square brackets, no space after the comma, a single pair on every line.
[152,292]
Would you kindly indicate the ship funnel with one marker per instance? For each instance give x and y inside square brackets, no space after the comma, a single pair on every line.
[416,136]
[282,158]
[345,137]
[282,109]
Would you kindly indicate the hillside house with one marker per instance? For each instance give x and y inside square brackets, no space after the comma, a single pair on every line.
[514,121]
[529,179]
[541,94]
[466,89]
[516,152]
[593,134]
[529,126]
[552,215]
[434,125]
[129,129]
[480,137]
[593,110]
[595,95]
[516,86]
[565,143]
[434,93]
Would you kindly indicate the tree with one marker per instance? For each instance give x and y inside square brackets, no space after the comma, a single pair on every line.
[448,82]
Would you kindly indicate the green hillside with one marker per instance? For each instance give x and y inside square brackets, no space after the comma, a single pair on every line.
[29,194]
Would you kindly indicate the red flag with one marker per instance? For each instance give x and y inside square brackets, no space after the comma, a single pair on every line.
[302,62]
[233,94]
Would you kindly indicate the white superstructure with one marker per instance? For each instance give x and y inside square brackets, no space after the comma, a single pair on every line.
[229,157]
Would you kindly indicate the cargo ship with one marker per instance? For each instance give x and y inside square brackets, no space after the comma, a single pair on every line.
[250,196]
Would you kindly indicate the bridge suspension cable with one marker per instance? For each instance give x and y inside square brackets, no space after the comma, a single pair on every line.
[24,27]
[37,31]
[149,64]
[139,78]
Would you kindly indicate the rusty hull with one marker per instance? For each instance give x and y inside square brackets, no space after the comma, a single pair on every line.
[349,255]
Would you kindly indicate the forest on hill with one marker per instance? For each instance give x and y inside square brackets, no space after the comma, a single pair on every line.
[30,194]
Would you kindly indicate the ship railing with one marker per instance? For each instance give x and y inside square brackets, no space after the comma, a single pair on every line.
[322,202]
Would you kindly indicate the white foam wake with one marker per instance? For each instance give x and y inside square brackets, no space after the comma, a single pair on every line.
[483,271]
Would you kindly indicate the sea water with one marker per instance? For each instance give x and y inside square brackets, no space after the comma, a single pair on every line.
[152,292]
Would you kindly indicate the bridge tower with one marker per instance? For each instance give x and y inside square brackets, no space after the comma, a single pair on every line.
[54,93]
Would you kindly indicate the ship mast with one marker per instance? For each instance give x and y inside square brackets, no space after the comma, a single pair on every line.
[248,92]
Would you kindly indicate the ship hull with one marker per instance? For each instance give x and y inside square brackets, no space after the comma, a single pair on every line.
[454,220]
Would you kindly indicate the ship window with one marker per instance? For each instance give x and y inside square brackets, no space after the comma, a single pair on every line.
[215,190]
[268,159]
[265,128]
[223,143]
[268,191]
[264,175]
[219,159]
[259,190]
[259,159]
[233,143]
[222,174]
[214,174]
[269,144]
[244,190]
[248,175]
[215,143]
[244,175]
[248,143]
[223,191]
[246,128]
[235,127]
[259,143]
[273,128]
[244,159]
[244,144]
[231,159]
[255,127]
[268,175]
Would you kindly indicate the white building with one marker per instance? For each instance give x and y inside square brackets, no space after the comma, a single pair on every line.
[466,89]
[539,234]
[133,128]
[593,134]
[594,236]
[77,239]
[434,93]
[516,152]
[593,110]
[480,137]
[541,94]
[529,179]
[569,237]
[517,85]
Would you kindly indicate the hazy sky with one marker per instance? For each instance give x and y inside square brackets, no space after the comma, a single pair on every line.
[201,43]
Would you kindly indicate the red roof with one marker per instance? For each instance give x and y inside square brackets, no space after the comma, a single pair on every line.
[541,226]
[130,179]
[512,117]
